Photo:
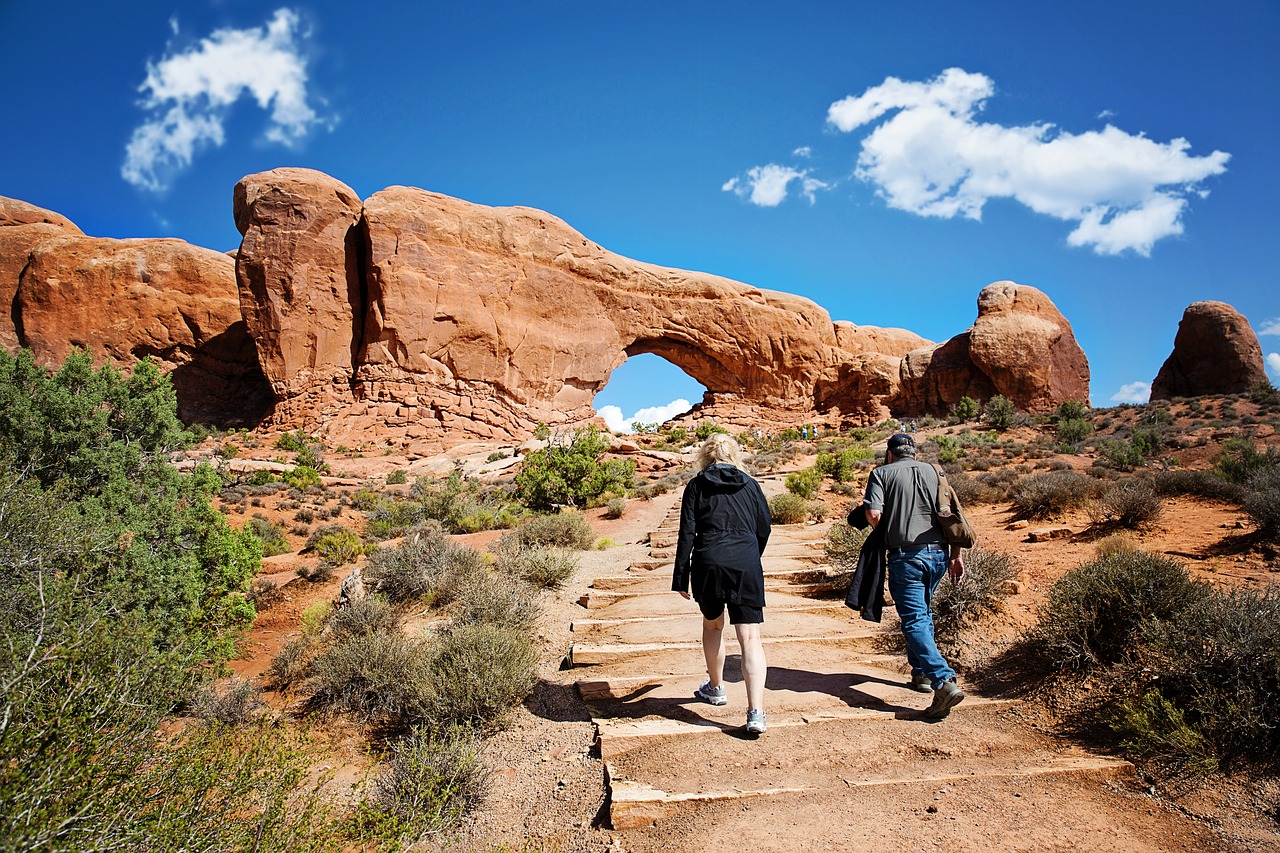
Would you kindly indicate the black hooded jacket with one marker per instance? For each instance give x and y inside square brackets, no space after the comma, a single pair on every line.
[724,525]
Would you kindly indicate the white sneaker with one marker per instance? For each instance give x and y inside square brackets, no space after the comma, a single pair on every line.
[755,722]
[711,695]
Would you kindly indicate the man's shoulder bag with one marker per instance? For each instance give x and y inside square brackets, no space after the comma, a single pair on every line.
[950,515]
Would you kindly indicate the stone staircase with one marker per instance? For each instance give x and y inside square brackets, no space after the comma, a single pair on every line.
[841,717]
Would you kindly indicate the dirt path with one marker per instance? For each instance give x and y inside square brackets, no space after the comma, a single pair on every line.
[846,759]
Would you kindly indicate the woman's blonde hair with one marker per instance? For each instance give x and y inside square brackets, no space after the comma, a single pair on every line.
[720,448]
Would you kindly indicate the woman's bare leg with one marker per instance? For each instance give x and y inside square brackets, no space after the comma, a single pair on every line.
[713,649]
[754,667]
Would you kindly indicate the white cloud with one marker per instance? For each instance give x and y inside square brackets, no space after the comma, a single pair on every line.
[932,158]
[766,186]
[1273,363]
[614,419]
[188,95]
[802,151]
[1134,392]
[1105,114]
[1270,327]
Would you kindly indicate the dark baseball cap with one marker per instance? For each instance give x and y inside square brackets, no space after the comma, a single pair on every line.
[902,444]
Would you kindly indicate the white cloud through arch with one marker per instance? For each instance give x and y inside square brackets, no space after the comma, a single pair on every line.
[925,152]
[188,95]
[1134,392]
[619,423]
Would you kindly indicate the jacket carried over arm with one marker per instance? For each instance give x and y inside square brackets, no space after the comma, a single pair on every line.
[724,526]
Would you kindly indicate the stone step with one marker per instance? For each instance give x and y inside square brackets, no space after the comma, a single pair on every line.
[596,599]
[594,626]
[815,621]
[634,805]
[661,581]
[613,604]
[596,654]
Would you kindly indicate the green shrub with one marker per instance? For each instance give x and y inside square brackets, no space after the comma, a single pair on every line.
[804,483]
[1072,431]
[496,455]
[1050,494]
[292,441]
[1131,502]
[999,412]
[706,429]
[270,535]
[986,583]
[563,530]
[573,473]
[398,477]
[1070,410]
[1122,454]
[433,780]
[478,672]
[1093,613]
[966,409]
[339,547]
[302,478]
[1155,729]
[842,464]
[788,509]
[1218,663]
[1240,459]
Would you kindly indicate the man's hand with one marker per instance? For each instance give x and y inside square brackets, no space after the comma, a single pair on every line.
[686,596]
[956,568]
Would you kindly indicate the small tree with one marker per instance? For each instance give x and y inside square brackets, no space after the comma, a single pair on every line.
[966,409]
[572,473]
[999,412]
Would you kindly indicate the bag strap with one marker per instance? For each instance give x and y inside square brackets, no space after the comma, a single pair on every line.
[941,500]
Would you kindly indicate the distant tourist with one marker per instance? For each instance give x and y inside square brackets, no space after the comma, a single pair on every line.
[900,496]
[724,525]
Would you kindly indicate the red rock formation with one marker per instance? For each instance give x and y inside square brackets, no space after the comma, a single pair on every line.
[132,299]
[297,276]
[1020,346]
[1214,352]
[22,227]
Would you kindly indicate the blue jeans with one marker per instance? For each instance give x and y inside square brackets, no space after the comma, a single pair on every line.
[913,576]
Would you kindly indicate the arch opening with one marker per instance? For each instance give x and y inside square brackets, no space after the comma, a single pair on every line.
[646,389]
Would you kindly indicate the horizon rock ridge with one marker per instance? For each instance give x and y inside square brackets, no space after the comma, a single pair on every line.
[421,315]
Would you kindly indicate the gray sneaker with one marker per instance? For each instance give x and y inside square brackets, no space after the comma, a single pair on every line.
[755,722]
[921,684]
[711,695]
[945,698]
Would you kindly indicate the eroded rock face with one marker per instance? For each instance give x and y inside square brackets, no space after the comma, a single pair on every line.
[1214,352]
[1020,346]
[23,227]
[298,277]
[133,299]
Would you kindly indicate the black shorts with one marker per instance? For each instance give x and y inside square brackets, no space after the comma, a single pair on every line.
[739,614]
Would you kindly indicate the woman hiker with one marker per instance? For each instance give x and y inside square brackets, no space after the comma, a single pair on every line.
[724,525]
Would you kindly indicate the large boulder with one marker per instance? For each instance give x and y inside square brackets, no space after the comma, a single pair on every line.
[1020,346]
[23,227]
[1214,352]
[299,280]
[146,298]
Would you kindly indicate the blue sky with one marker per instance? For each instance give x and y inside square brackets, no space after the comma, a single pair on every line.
[886,164]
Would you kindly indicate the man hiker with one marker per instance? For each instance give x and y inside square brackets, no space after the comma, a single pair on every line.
[900,496]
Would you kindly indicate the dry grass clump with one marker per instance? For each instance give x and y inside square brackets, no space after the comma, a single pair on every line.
[433,780]
[987,582]
[565,529]
[478,671]
[1201,484]
[367,615]
[1050,494]
[292,662]
[1132,502]
[787,508]
[499,598]
[1116,543]
[234,704]
[380,677]
[540,567]
[426,565]
[844,544]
